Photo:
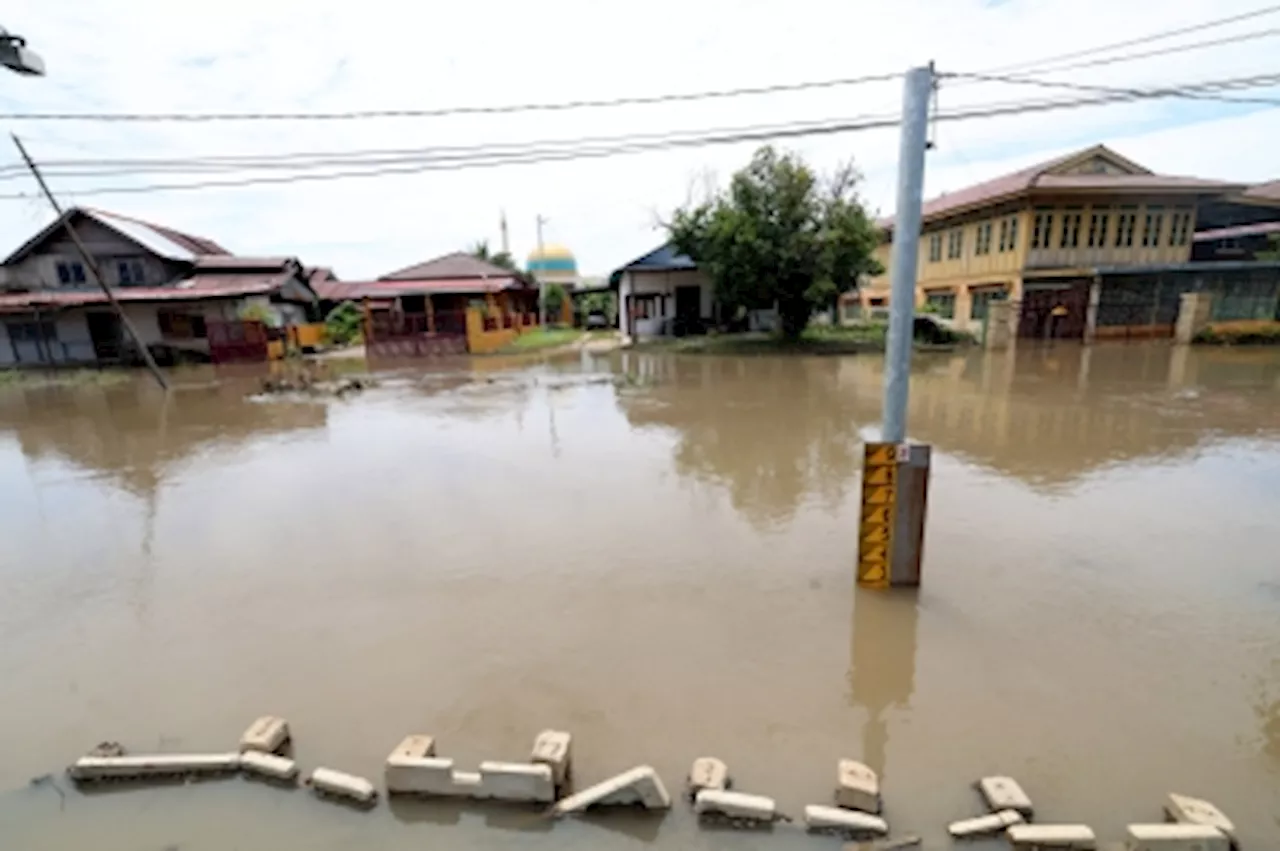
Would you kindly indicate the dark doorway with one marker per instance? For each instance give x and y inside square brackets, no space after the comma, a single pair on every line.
[688,319]
[104,333]
[1054,312]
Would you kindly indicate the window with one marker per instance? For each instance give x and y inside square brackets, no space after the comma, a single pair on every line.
[982,245]
[1041,234]
[941,304]
[1152,226]
[1179,228]
[955,244]
[647,306]
[130,271]
[70,272]
[32,332]
[176,325]
[1125,224]
[1098,221]
[980,301]
[935,247]
[1070,230]
[1008,234]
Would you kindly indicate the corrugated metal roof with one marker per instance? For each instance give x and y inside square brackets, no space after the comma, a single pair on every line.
[1131,181]
[163,241]
[339,290]
[453,266]
[201,286]
[1239,230]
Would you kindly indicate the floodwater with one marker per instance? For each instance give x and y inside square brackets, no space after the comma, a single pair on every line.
[655,553]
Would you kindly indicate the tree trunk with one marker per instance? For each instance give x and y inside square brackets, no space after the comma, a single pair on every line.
[793,318]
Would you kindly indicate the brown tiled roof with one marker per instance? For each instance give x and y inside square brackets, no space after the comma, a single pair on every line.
[451,266]
[1266,191]
[383,288]
[1027,180]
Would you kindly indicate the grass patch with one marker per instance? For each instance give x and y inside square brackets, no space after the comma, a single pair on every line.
[816,340]
[1241,334]
[542,338]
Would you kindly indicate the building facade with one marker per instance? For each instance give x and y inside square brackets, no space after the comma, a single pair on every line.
[1087,245]
[184,295]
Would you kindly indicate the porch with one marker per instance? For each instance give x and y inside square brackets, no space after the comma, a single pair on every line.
[436,324]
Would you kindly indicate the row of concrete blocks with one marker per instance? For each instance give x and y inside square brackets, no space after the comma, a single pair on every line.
[1196,825]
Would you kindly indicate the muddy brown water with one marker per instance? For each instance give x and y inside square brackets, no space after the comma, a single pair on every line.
[655,553]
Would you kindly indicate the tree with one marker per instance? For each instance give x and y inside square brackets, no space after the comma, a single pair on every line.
[503,259]
[553,302]
[780,235]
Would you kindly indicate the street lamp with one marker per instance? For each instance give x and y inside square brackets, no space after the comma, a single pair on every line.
[15,56]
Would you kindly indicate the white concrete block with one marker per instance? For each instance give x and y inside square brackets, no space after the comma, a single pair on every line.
[1187,810]
[825,819]
[425,775]
[1036,837]
[554,748]
[268,765]
[1176,837]
[639,785]
[159,765]
[516,781]
[708,773]
[414,746]
[268,734]
[983,825]
[1004,793]
[735,805]
[466,783]
[857,787]
[343,785]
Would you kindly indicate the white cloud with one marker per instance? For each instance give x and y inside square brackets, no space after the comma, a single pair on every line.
[287,55]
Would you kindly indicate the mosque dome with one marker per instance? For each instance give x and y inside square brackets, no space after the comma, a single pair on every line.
[553,259]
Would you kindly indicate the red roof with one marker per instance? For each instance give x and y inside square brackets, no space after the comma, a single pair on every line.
[194,244]
[200,286]
[339,290]
[448,267]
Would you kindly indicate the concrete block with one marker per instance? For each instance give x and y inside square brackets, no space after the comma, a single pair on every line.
[554,748]
[268,765]
[708,773]
[857,787]
[640,785]
[1004,793]
[413,775]
[1187,810]
[1038,837]
[1176,837]
[515,781]
[735,805]
[414,746]
[466,783]
[268,734]
[90,768]
[343,785]
[820,819]
[983,825]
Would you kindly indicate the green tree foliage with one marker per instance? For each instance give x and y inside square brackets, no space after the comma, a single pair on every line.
[553,299]
[502,259]
[343,324]
[781,235]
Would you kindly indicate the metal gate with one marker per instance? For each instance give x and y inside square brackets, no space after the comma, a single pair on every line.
[237,341]
[1054,311]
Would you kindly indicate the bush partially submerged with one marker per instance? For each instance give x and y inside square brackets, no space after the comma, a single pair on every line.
[1252,334]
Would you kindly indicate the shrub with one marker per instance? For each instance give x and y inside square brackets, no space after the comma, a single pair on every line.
[343,324]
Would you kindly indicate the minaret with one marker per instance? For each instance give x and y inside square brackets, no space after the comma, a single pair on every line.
[506,243]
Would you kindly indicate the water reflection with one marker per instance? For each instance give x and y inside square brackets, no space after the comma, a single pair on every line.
[775,432]
[882,664]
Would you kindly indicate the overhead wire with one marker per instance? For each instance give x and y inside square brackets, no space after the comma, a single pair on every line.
[1171,91]
[573,150]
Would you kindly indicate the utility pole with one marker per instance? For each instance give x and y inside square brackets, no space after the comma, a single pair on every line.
[542,290]
[917,93]
[93,268]
[17,57]
[895,474]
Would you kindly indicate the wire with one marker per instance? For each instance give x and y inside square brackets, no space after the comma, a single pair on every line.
[624,146]
[1181,48]
[1159,36]
[453,110]
[1171,91]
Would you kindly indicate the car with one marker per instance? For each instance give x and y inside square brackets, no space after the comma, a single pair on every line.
[596,319]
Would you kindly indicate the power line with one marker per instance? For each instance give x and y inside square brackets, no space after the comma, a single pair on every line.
[624,146]
[1170,91]
[452,110]
[1159,36]
[1166,51]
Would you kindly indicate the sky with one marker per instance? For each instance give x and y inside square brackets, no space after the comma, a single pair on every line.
[328,56]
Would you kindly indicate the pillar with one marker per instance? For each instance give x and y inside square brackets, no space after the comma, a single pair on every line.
[1194,310]
[1091,312]
[999,325]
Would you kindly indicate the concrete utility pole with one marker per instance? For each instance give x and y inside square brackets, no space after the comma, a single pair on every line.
[93,268]
[916,95]
[16,56]
[542,291]
[895,474]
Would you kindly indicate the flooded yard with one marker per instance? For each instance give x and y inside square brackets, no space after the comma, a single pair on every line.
[656,554]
